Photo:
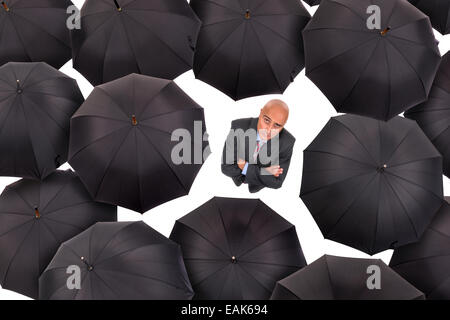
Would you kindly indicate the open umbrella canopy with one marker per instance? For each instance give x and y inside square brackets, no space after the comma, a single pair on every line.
[35,218]
[249,48]
[426,264]
[370,184]
[34,31]
[36,103]
[433,116]
[438,11]
[338,278]
[124,139]
[377,73]
[237,249]
[120,37]
[118,261]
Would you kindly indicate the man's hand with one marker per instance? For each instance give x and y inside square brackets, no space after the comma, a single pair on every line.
[275,171]
[241,164]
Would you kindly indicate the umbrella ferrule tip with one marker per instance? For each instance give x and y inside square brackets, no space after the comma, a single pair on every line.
[233,259]
[134,121]
[247,14]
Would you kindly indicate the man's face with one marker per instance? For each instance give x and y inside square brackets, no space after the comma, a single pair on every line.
[271,122]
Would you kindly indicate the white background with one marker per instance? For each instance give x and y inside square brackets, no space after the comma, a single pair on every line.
[309,112]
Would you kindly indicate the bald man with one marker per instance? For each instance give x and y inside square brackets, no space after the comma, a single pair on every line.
[258,151]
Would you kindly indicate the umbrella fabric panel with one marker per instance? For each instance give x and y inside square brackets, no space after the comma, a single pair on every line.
[337,278]
[118,261]
[155,38]
[237,249]
[249,50]
[426,264]
[312,2]
[36,103]
[126,126]
[438,11]
[393,166]
[35,218]
[35,31]
[434,114]
[375,73]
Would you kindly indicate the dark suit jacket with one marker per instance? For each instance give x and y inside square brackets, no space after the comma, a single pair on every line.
[255,180]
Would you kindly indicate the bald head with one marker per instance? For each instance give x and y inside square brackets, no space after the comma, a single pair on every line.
[272,118]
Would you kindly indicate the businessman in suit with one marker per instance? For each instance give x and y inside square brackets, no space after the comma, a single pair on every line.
[258,151]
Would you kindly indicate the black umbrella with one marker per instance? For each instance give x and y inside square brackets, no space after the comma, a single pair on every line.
[35,218]
[122,147]
[370,184]
[312,2]
[237,249]
[438,11]
[433,116]
[118,261]
[377,73]
[338,278]
[36,103]
[119,37]
[34,31]
[252,48]
[426,264]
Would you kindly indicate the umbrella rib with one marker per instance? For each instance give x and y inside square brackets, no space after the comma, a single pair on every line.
[210,275]
[223,225]
[93,32]
[163,42]
[20,39]
[98,139]
[108,242]
[415,260]
[289,229]
[169,112]
[350,206]
[267,59]
[162,12]
[53,95]
[278,34]
[104,282]
[56,194]
[104,54]
[223,6]
[145,277]
[257,281]
[376,220]
[350,9]
[219,22]
[399,144]
[101,117]
[39,27]
[30,140]
[403,207]
[414,183]
[112,100]
[441,284]
[57,78]
[204,238]
[131,49]
[36,107]
[238,76]
[424,159]
[17,250]
[164,161]
[336,28]
[333,294]
[15,213]
[410,65]
[15,228]
[336,182]
[359,141]
[224,283]
[64,223]
[218,47]
[250,220]
[269,264]
[340,54]
[113,158]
